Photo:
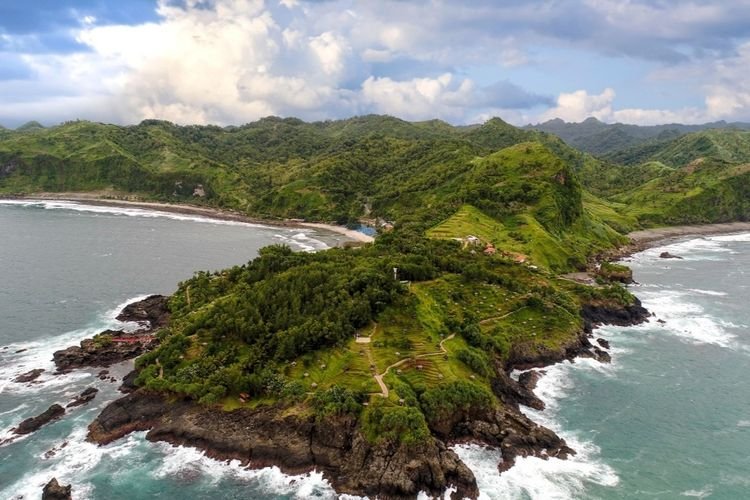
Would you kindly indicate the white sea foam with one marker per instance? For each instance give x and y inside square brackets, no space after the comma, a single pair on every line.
[686,319]
[38,354]
[69,465]
[303,241]
[708,292]
[741,237]
[184,462]
[703,493]
[300,239]
[536,478]
[698,249]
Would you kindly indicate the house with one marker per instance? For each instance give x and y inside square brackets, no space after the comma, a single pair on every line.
[490,249]
[472,240]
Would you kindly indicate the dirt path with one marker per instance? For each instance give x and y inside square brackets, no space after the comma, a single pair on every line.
[379,377]
[485,321]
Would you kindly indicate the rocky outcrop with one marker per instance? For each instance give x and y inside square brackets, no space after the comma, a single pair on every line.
[29,376]
[34,423]
[128,382]
[153,309]
[83,398]
[113,346]
[267,436]
[515,435]
[596,314]
[55,491]
[667,255]
[102,351]
[514,393]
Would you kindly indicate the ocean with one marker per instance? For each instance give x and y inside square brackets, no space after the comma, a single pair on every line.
[668,418]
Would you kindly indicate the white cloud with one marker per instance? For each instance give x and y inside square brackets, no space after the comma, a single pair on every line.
[419,98]
[331,50]
[579,105]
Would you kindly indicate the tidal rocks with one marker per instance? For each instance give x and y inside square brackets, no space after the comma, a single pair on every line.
[667,255]
[596,314]
[112,346]
[34,423]
[29,376]
[55,491]
[268,436]
[153,309]
[128,382]
[83,398]
[603,342]
[104,350]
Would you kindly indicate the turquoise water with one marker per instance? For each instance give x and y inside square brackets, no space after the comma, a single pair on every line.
[669,418]
[66,270]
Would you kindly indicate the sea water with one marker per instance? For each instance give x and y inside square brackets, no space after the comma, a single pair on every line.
[66,270]
[668,418]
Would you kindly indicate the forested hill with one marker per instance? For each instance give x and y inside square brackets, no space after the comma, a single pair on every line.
[599,138]
[524,190]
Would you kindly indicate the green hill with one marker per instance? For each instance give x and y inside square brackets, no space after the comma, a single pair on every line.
[726,145]
[30,127]
[704,191]
[604,139]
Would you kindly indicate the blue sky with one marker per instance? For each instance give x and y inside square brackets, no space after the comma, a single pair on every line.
[234,61]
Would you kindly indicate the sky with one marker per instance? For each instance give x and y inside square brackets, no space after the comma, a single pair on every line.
[229,62]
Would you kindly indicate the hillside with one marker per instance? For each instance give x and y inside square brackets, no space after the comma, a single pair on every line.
[604,139]
[705,190]
[725,145]
[375,166]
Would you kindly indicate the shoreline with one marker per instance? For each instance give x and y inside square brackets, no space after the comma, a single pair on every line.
[187,209]
[644,239]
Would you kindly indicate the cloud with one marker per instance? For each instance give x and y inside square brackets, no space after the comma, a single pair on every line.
[579,105]
[232,61]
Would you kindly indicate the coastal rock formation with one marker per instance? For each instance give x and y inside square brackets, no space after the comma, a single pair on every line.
[102,351]
[153,309]
[112,346]
[667,255]
[595,314]
[32,424]
[266,436]
[29,376]
[55,491]
[83,398]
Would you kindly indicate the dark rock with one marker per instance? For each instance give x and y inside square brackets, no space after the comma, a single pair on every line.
[128,382]
[34,423]
[55,491]
[514,393]
[605,314]
[95,352]
[83,398]
[153,309]
[529,379]
[269,436]
[112,346]
[667,255]
[29,376]
[602,342]
[602,356]
[21,350]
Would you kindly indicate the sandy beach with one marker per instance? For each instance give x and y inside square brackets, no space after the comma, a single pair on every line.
[212,213]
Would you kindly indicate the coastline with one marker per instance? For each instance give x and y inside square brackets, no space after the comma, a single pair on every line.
[186,209]
[649,238]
